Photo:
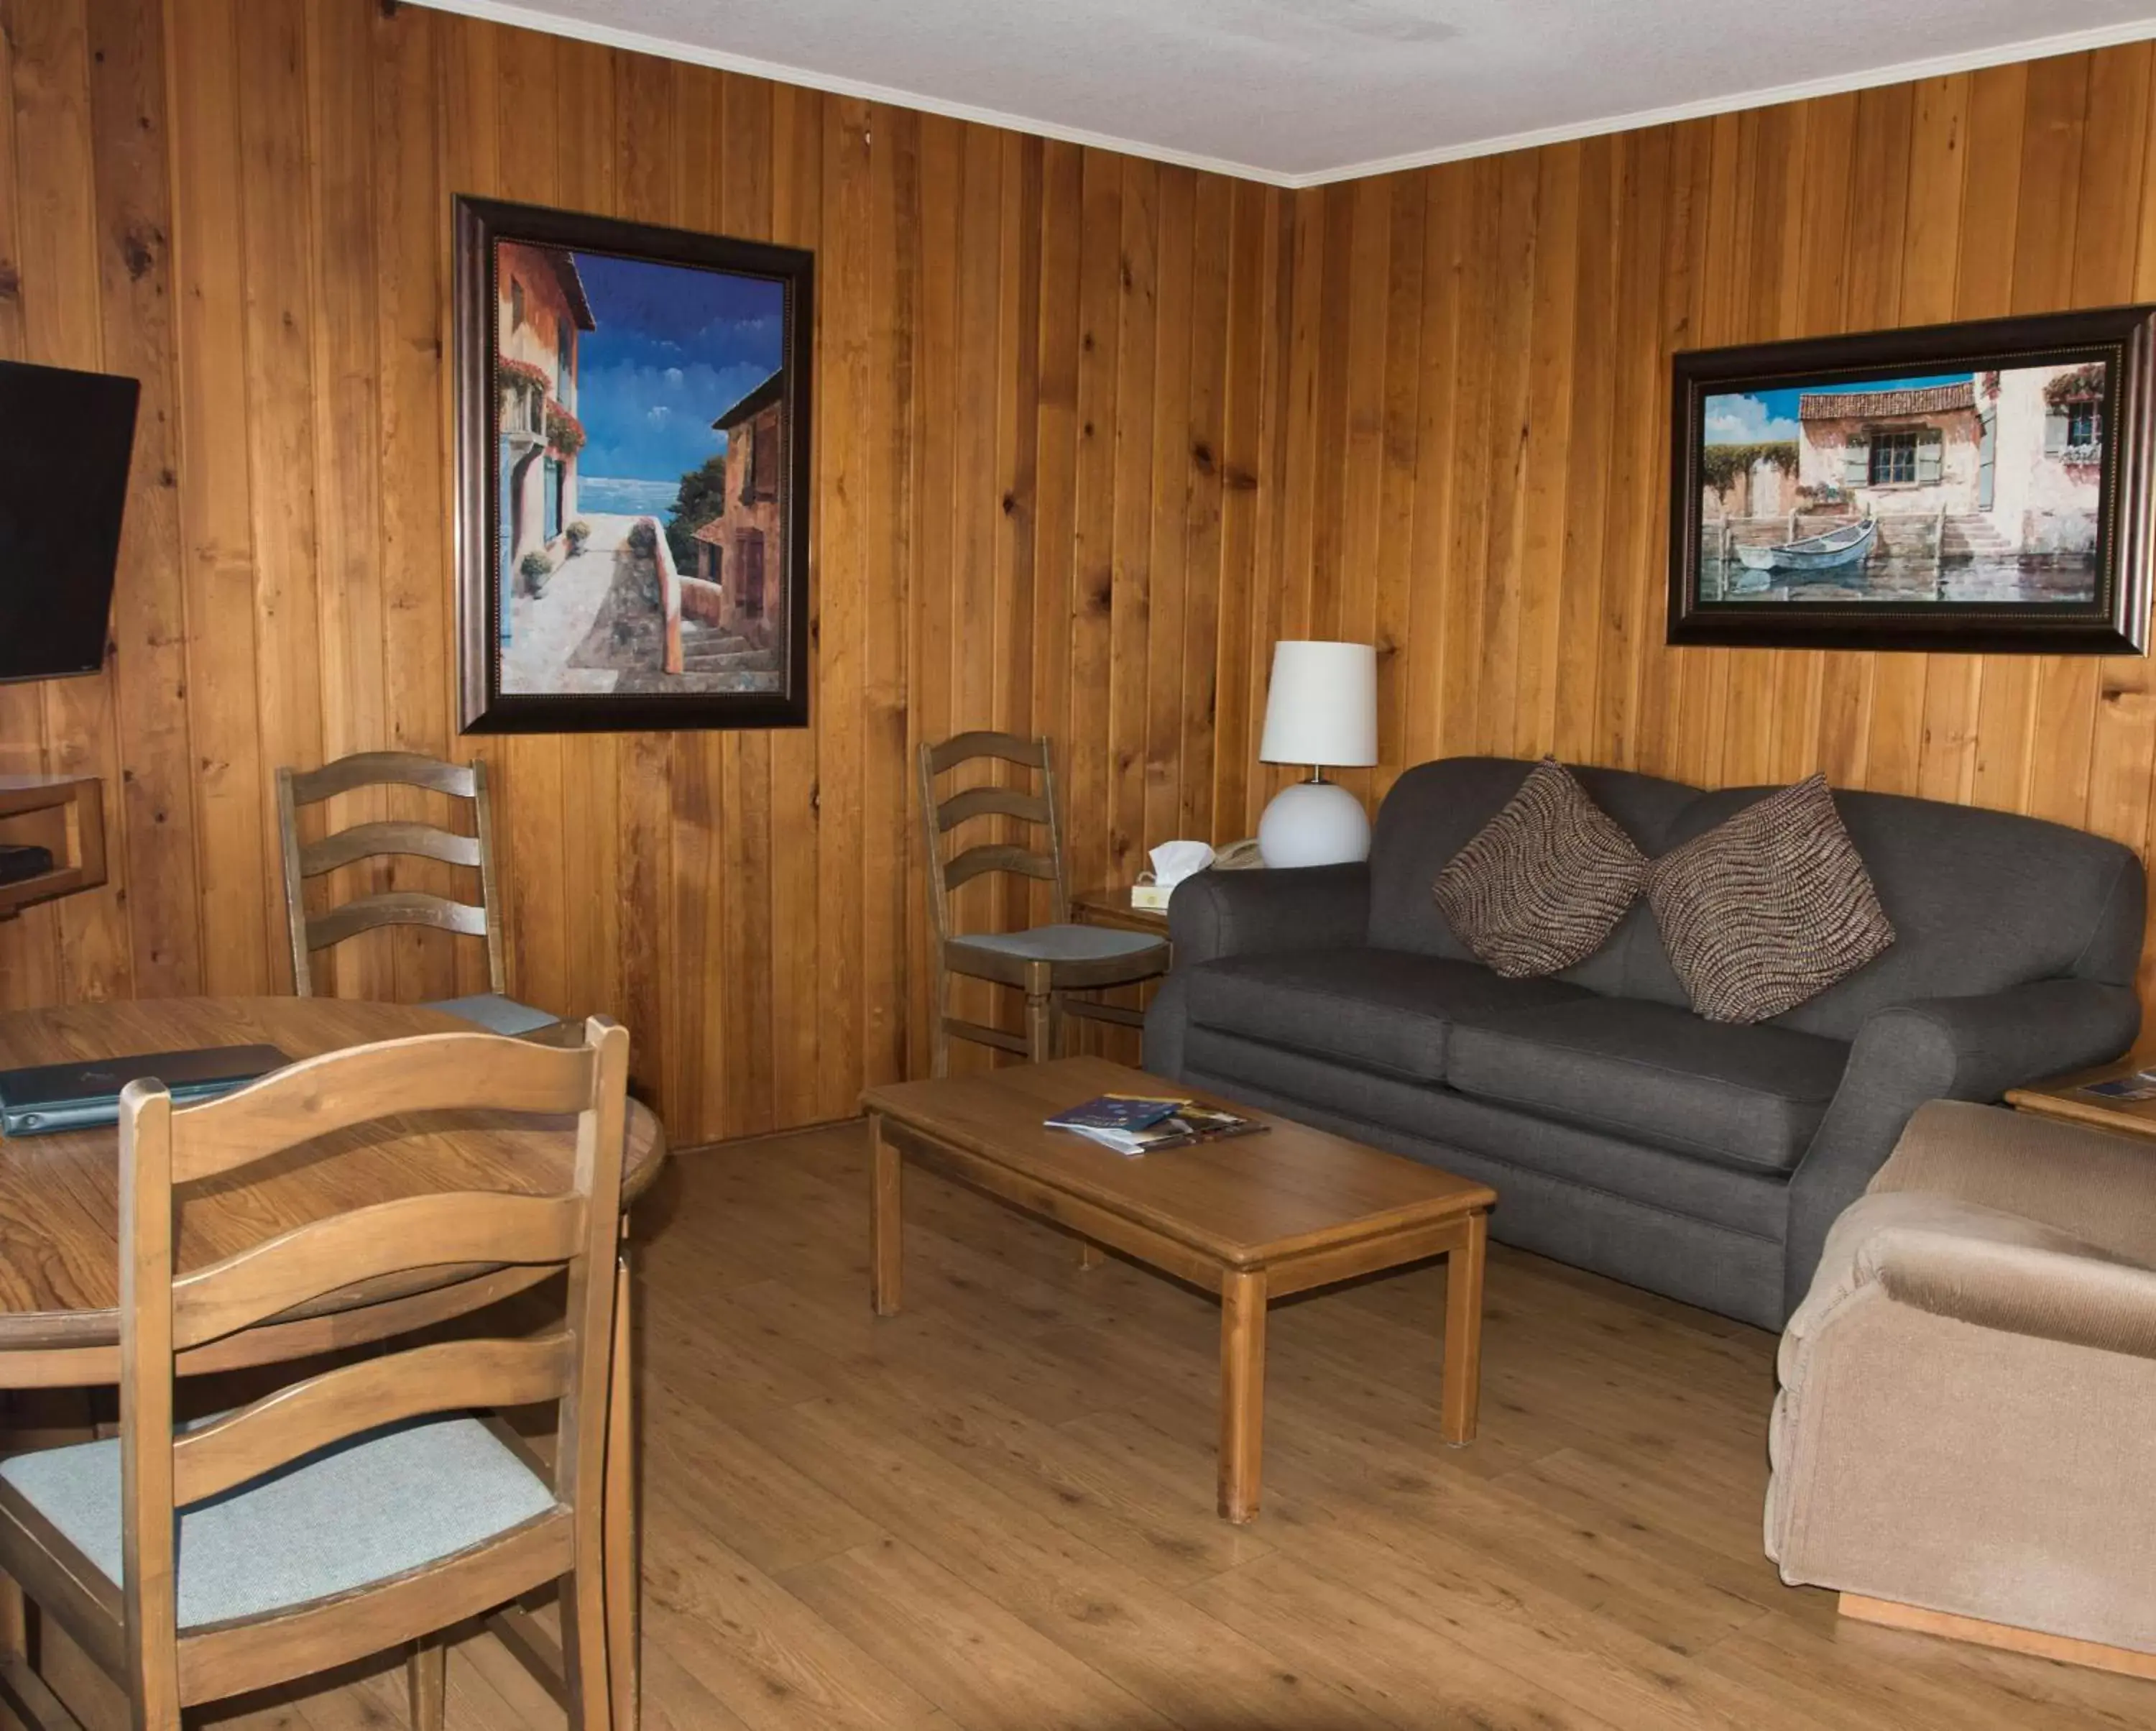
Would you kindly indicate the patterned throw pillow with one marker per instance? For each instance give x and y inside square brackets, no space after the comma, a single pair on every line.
[1768,909]
[1543,884]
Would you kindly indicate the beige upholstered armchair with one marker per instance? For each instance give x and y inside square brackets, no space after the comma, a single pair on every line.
[1963,1440]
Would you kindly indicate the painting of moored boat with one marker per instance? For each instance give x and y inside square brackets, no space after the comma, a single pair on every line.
[1976,490]
[1981,486]
[634,430]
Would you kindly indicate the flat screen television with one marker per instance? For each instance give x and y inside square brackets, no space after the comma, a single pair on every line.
[65,440]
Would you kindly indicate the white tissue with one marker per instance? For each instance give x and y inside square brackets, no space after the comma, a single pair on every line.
[1173,861]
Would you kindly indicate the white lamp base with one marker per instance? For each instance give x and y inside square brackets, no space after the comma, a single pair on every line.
[1314,823]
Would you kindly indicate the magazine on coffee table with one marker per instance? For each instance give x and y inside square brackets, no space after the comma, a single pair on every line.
[1133,1124]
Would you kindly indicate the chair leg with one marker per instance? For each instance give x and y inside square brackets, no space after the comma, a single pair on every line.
[622,1568]
[939,1032]
[584,1646]
[427,1680]
[1039,1047]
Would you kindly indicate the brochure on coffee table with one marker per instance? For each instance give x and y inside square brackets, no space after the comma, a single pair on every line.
[1134,1124]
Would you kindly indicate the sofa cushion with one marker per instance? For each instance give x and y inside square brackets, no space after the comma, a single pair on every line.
[1739,1198]
[1435,808]
[2051,902]
[1375,1009]
[1768,909]
[1543,883]
[1748,1097]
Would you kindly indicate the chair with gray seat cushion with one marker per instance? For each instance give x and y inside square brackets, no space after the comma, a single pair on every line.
[365,1506]
[376,839]
[1049,963]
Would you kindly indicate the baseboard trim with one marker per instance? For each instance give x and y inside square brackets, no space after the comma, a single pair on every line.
[2094,1655]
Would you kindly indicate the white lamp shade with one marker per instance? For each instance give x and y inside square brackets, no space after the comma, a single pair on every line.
[1322,706]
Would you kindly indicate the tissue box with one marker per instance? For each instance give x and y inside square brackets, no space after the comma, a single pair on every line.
[1151,898]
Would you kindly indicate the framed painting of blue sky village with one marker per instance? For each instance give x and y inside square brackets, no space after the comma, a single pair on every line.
[633,475]
[1981,486]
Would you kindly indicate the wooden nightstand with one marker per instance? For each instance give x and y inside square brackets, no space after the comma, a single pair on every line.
[1112,907]
[2062,1097]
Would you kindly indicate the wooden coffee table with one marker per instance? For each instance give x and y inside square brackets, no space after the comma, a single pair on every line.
[1251,1218]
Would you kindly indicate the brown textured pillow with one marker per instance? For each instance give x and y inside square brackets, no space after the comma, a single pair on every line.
[1543,883]
[1768,909]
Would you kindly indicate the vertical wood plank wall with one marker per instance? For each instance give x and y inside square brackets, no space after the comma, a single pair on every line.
[1476,435]
[1092,433]
[1042,373]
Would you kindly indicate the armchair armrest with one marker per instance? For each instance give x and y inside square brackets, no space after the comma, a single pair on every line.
[1994,1277]
[1241,913]
[2099,1186]
[1941,1048]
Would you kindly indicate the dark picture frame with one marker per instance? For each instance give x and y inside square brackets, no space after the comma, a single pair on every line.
[648,597]
[1927,494]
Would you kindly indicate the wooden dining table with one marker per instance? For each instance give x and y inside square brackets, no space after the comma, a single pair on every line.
[59,1237]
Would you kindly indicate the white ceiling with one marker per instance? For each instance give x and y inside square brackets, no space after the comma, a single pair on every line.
[1300,91]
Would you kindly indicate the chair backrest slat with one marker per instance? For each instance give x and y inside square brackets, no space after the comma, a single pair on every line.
[380,838]
[990,802]
[1032,753]
[304,1416]
[395,907]
[481,1227]
[428,1072]
[375,769]
[575,1229]
[996,856]
[370,841]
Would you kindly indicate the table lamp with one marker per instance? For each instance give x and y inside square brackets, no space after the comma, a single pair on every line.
[1322,710]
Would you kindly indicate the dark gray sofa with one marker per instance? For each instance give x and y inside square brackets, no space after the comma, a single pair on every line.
[1622,1133]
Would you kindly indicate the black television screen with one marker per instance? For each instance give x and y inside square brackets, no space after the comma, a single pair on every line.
[65,439]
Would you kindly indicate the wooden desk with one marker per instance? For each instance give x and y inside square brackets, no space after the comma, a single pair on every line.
[2060,1097]
[59,1220]
[1253,1217]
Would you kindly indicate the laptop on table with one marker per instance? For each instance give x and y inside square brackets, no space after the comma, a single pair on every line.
[84,1093]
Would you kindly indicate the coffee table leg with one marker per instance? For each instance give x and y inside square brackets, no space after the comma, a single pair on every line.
[1242,1392]
[884,1185]
[1463,1331]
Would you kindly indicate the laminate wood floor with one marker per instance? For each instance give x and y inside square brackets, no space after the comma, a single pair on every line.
[995,1511]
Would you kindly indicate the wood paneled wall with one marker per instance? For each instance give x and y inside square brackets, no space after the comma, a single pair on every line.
[1476,429]
[1043,383]
[1091,434]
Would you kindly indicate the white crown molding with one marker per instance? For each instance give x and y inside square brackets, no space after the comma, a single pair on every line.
[531,17]
[2043,48]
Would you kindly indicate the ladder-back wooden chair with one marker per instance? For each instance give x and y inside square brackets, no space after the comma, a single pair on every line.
[363,1507]
[493,1009]
[1047,963]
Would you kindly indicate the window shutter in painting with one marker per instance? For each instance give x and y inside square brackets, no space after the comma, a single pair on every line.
[1930,448]
[2055,433]
[1856,462]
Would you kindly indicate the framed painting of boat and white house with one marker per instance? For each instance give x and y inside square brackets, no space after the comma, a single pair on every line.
[1979,487]
[633,475]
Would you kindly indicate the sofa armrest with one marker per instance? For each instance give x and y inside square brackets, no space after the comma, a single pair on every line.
[1241,913]
[1940,1049]
[1994,1280]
